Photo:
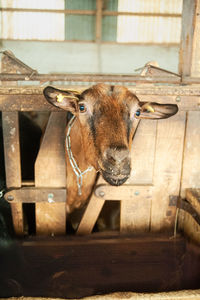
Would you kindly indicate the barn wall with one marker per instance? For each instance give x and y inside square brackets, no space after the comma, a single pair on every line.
[50,57]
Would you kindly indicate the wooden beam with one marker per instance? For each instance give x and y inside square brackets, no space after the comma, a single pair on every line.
[187,36]
[195,69]
[78,267]
[10,122]
[91,12]
[98,20]
[37,102]
[33,195]
[89,78]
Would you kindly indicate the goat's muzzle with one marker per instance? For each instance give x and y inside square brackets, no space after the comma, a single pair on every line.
[116,165]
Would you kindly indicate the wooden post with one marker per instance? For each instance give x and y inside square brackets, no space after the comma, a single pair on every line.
[188,38]
[190,66]
[13,163]
[50,171]
[10,122]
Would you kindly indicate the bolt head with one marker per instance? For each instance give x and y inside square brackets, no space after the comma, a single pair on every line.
[101,194]
[178,99]
[10,198]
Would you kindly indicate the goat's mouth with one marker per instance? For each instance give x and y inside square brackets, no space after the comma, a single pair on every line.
[114,179]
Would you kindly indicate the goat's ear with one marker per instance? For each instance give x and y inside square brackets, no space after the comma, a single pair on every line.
[67,100]
[154,111]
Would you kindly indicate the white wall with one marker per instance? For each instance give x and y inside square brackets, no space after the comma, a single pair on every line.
[69,57]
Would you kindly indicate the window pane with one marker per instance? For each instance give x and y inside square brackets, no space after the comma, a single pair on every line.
[162,6]
[80,4]
[33,25]
[38,4]
[146,29]
[109,23]
[79,27]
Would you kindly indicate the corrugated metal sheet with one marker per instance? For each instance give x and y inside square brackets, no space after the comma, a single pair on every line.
[156,6]
[54,26]
[149,29]
[29,25]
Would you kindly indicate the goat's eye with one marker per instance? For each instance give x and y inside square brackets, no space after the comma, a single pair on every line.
[82,107]
[137,113]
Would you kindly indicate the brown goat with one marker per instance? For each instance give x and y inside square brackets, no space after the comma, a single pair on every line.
[99,136]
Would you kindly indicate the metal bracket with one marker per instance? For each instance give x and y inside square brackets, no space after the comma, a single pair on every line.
[11,64]
[186,206]
[152,69]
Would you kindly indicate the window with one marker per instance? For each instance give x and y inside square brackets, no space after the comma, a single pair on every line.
[121,21]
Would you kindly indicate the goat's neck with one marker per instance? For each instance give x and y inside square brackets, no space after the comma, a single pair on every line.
[75,200]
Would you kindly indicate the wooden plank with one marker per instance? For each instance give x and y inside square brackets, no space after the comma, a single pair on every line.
[142,89]
[50,171]
[187,36]
[123,192]
[142,153]
[195,68]
[33,195]
[135,213]
[10,122]
[88,78]
[167,171]
[90,215]
[78,267]
[37,102]
[191,162]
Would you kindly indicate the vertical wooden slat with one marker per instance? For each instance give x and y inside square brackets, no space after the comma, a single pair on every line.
[50,171]
[167,171]
[187,36]
[191,163]
[195,69]
[10,122]
[142,153]
[135,214]
[98,20]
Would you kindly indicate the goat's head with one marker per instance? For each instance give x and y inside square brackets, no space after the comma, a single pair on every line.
[106,117]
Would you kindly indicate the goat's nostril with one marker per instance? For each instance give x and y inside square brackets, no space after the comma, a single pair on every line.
[117,156]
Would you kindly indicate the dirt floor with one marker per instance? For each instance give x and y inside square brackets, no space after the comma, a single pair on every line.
[181,295]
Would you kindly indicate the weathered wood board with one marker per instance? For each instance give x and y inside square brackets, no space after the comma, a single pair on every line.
[83,266]
[50,171]
[167,171]
[10,124]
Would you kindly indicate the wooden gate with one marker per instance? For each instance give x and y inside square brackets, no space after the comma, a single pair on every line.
[165,154]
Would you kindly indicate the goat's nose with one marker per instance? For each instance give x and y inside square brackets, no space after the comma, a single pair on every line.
[117,155]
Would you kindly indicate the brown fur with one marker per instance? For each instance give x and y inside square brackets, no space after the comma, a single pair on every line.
[102,134]
[111,106]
